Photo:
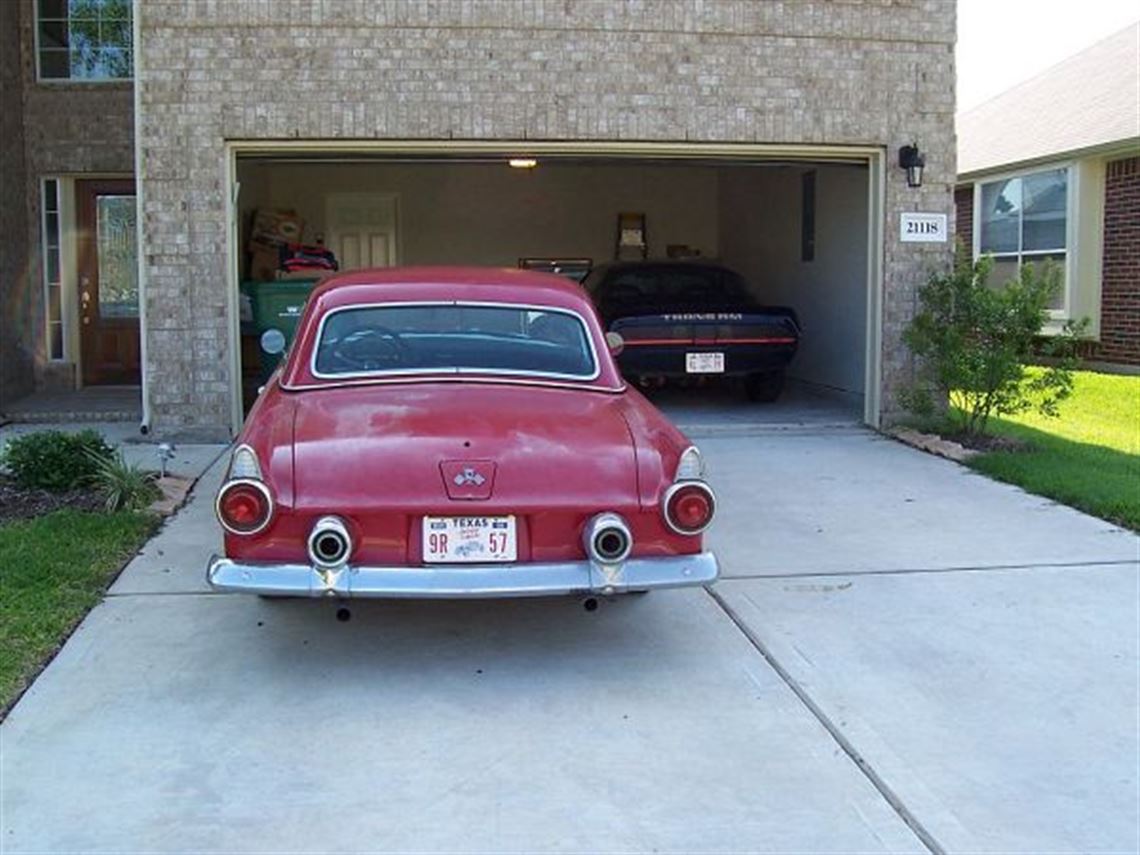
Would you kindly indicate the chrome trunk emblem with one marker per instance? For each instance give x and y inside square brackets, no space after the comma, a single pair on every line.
[471,480]
[469,476]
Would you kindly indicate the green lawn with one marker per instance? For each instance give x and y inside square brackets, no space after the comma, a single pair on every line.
[54,569]
[1088,458]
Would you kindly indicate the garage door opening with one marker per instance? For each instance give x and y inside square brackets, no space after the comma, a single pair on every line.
[797,230]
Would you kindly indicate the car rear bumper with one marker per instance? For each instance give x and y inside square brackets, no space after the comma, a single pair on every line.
[670,360]
[456,581]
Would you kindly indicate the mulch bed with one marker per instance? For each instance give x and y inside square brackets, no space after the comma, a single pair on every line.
[16,503]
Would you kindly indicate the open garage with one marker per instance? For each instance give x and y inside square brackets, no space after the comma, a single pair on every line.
[799,229]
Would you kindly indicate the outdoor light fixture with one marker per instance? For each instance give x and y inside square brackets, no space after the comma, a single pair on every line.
[912,160]
[522,163]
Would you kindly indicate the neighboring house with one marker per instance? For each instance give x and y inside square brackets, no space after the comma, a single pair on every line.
[1050,169]
[141,137]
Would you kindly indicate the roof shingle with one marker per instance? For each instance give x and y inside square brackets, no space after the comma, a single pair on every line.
[1090,99]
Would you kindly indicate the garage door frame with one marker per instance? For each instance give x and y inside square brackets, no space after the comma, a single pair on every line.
[871,156]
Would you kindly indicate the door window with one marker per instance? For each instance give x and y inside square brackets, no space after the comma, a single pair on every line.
[117,241]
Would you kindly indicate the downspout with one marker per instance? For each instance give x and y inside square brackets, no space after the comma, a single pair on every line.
[140,207]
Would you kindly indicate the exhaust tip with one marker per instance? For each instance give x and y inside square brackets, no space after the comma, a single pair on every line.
[607,538]
[329,543]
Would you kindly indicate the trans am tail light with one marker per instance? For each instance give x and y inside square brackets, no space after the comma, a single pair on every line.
[689,507]
[244,506]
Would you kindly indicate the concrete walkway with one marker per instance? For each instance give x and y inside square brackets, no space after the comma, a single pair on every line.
[902,656]
[189,460]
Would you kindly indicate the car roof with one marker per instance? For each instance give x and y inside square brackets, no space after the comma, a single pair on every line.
[480,284]
[506,285]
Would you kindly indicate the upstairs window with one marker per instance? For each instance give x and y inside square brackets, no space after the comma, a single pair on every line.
[1024,219]
[84,39]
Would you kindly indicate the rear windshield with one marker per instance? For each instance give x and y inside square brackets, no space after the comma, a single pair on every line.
[670,289]
[454,338]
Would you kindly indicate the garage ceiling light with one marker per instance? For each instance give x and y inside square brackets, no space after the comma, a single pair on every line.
[522,163]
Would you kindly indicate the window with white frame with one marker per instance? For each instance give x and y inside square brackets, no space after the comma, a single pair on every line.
[53,281]
[84,39]
[1025,218]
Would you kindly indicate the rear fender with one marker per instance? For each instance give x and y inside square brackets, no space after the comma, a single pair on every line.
[269,432]
[657,445]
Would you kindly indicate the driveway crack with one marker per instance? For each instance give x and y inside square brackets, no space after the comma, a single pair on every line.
[916,571]
[892,798]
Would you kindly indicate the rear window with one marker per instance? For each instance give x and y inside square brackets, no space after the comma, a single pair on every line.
[670,289]
[454,338]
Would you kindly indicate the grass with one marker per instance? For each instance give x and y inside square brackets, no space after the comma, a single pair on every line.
[55,568]
[1088,458]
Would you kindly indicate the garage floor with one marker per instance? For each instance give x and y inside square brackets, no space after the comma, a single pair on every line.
[901,656]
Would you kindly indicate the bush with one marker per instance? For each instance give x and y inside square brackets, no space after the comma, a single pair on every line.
[123,486]
[52,460]
[974,342]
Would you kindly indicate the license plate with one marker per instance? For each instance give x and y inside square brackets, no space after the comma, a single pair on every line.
[704,363]
[469,540]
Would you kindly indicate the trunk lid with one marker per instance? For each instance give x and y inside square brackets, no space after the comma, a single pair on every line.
[455,448]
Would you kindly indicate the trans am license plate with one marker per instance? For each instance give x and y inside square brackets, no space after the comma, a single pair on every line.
[704,363]
[469,540]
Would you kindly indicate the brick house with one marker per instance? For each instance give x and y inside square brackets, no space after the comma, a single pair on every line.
[1051,169]
[141,138]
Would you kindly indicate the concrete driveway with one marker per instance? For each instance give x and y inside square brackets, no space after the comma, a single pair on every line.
[902,656]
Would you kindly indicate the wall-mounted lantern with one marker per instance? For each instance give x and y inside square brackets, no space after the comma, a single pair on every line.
[913,161]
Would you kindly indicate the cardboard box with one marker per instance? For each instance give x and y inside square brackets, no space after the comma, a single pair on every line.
[274,228]
[263,262]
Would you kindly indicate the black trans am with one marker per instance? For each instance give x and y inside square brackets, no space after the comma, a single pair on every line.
[688,319]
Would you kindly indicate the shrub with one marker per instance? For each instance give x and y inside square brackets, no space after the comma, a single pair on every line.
[974,342]
[53,460]
[123,486]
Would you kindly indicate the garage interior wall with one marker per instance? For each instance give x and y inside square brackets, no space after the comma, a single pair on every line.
[748,216]
[488,213]
[760,236]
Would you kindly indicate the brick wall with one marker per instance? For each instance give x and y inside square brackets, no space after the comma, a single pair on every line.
[878,72]
[66,129]
[16,345]
[1120,279]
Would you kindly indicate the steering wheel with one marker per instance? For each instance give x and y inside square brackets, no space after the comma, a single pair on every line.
[371,349]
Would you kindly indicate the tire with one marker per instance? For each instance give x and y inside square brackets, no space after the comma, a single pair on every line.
[765,387]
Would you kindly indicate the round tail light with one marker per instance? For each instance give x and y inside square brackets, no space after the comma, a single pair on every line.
[689,507]
[244,507]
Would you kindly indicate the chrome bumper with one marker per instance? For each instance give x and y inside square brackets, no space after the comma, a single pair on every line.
[481,580]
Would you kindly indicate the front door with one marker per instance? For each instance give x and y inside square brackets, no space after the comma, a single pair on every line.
[108,282]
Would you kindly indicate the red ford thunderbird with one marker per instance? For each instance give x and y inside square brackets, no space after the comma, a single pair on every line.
[454,432]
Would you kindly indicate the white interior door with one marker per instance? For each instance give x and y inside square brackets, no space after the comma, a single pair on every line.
[362,229]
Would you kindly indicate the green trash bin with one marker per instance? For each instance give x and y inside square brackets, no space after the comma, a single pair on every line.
[273,305]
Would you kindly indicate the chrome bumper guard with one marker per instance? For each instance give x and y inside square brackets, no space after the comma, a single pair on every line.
[463,581]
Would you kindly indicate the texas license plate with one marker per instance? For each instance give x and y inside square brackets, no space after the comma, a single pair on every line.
[704,363]
[469,540]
